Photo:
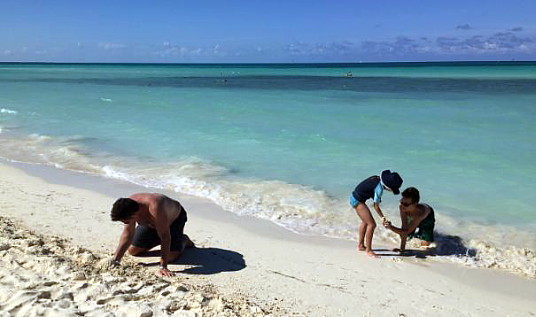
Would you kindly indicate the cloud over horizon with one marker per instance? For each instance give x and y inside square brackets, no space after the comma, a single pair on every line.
[499,42]
[464,27]
[514,42]
[169,50]
[110,46]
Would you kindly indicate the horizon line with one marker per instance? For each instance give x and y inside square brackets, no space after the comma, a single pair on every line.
[481,62]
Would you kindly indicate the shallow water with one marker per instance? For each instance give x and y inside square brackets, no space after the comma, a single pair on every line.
[290,142]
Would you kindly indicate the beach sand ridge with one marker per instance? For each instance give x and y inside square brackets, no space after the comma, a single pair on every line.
[48,276]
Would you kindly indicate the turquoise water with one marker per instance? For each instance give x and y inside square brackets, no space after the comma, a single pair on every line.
[290,142]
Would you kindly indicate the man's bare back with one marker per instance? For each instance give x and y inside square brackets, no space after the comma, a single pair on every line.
[171,207]
[151,219]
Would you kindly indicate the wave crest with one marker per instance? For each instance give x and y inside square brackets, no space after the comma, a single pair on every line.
[8,111]
[299,208]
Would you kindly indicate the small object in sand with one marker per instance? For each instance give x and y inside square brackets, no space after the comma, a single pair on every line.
[107,263]
[44,294]
[4,247]
[147,313]
[64,304]
[255,309]
[215,304]
[173,306]
[78,276]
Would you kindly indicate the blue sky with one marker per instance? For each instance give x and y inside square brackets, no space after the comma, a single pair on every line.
[266,31]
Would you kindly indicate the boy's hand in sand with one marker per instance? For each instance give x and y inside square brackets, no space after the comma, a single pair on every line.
[165,272]
[112,262]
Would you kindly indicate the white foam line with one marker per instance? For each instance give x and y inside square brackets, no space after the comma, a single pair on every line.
[8,111]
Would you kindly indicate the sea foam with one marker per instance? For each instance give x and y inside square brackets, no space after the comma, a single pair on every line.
[299,208]
[8,111]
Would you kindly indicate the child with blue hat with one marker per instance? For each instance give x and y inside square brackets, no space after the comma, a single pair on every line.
[372,188]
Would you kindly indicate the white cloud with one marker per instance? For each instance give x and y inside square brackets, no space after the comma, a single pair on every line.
[111,46]
[500,42]
[171,50]
[320,49]
[464,27]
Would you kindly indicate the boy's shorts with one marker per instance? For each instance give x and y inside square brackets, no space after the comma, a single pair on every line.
[147,237]
[426,228]
[353,201]
[425,233]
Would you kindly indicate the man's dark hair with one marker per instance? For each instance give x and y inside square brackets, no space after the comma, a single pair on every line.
[412,193]
[124,208]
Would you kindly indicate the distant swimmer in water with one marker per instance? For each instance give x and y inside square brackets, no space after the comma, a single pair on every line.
[372,187]
[418,220]
[151,220]
[348,74]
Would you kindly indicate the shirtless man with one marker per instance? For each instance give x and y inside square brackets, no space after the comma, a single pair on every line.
[414,216]
[160,220]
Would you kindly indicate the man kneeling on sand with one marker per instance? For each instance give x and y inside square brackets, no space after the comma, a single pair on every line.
[160,221]
[418,220]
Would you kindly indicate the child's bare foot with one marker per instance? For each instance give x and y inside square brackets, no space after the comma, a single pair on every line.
[372,254]
[361,248]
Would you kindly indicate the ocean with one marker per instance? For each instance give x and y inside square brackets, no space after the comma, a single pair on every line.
[289,142]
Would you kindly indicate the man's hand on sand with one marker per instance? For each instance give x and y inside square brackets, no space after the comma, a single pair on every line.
[114,262]
[165,272]
[108,263]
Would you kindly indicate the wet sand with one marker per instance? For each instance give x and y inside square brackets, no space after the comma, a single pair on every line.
[242,266]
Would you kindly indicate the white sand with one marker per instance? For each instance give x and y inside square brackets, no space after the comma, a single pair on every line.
[241,256]
[49,277]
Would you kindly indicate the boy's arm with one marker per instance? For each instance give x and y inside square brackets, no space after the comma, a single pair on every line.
[377,199]
[378,210]
[403,237]
[405,230]
[125,240]
[162,228]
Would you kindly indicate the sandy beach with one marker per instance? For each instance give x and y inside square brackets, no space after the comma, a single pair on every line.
[56,233]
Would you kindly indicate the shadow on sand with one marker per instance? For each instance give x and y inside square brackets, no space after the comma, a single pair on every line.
[205,260]
[446,245]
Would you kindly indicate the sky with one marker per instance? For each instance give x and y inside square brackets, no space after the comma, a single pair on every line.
[263,31]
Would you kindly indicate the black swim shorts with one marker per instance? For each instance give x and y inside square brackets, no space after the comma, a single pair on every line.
[147,237]
[425,230]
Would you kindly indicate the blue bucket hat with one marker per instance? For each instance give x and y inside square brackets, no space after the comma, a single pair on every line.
[392,180]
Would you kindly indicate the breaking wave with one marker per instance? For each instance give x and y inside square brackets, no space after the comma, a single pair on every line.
[299,208]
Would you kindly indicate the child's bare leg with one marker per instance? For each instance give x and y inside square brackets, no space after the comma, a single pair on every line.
[361,233]
[368,237]
[361,240]
[364,213]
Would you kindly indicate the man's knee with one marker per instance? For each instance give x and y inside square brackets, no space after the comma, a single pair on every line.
[187,242]
[173,255]
[133,250]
